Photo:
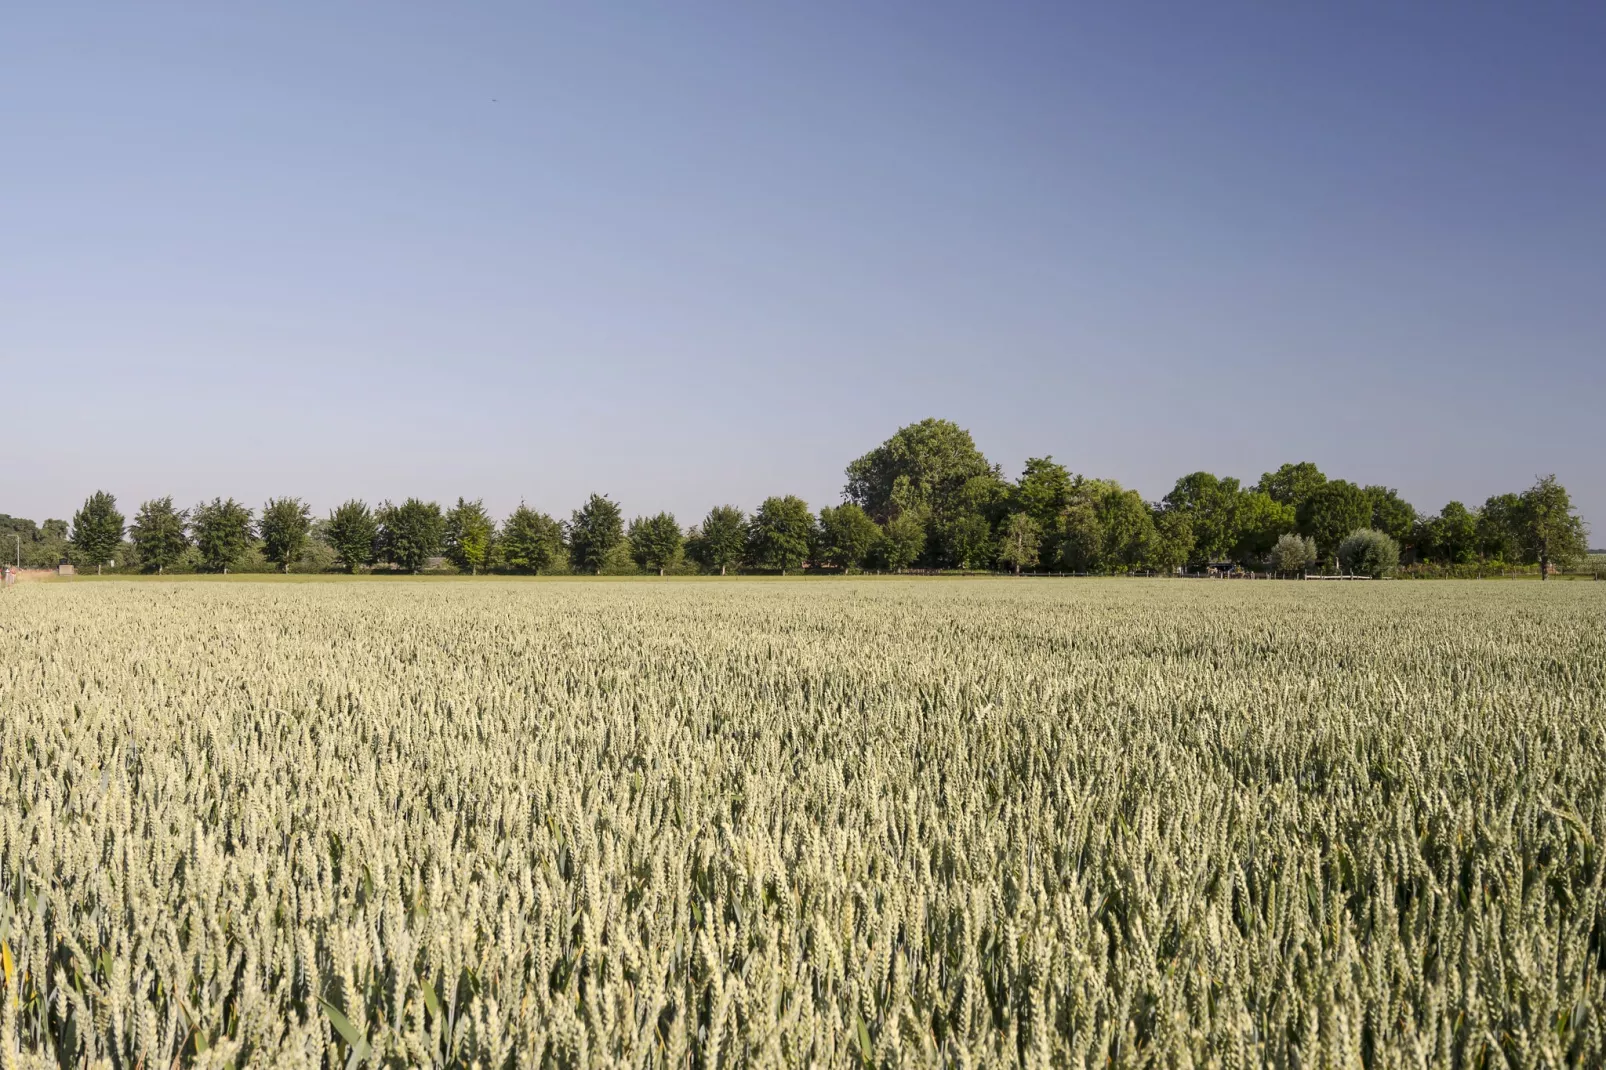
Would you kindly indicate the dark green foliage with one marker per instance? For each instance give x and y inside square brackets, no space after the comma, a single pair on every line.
[1211,505]
[1291,484]
[847,536]
[781,532]
[1173,541]
[1391,514]
[594,531]
[902,539]
[655,542]
[222,529]
[353,531]
[531,541]
[158,534]
[1258,520]
[1332,511]
[410,533]
[1451,537]
[1550,532]
[720,540]
[284,527]
[924,465]
[97,530]
[1500,528]
[1368,552]
[29,545]
[966,541]
[469,536]
[1019,542]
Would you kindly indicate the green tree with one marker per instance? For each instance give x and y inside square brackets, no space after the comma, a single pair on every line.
[284,527]
[97,530]
[531,541]
[847,535]
[595,530]
[1293,553]
[222,530]
[1291,484]
[1332,511]
[721,539]
[934,459]
[1259,518]
[1368,552]
[1452,536]
[159,535]
[967,541]
[353,531]
[1211,505]
[1020,542]
[655,541]
[1128,530]
[780,532]
[1391,514]
[469,536]
[410,533]
[1551,531]
[1173,540]
[1500,528]
[902,540]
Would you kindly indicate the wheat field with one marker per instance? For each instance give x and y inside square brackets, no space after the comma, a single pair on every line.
[812,823]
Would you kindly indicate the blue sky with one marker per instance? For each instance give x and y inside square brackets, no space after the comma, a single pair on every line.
[695,253]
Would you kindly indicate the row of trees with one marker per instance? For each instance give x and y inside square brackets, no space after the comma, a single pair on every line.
[926,497]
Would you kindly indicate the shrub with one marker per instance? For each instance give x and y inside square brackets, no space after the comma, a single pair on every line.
[1369,553]
[1293,554]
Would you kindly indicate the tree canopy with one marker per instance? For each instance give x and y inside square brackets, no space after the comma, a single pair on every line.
[595,530]
[781,532]
[159,535]
[283,529]
[410,533]
[97,530]
[222,530]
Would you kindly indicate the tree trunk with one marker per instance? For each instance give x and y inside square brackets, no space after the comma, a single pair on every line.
[660,572]
[722,570]
[97,568]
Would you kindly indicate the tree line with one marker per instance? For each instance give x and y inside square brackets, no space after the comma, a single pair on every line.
[926,498]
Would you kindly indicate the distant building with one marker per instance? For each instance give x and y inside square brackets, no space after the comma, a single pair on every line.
[64,569]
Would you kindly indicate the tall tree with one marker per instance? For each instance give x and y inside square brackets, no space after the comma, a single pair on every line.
[655,541]
[1452,536]
[847,535]
[1391,514]
[1173,540]
[595,529]
[780,532]
[967,541]
[1500,528]
[1332,511]
[1259,519]
[97,530]
[222,530]
[933,459]
[1020,542]
[902,539]
[353,531]
[158,534]
[410,533]
[1551,531]
[469,534]
[531,541]
[721,538]
[1211,505]
[284,527]
[1292,483]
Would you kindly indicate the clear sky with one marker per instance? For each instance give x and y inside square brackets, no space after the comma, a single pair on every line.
[689,253]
